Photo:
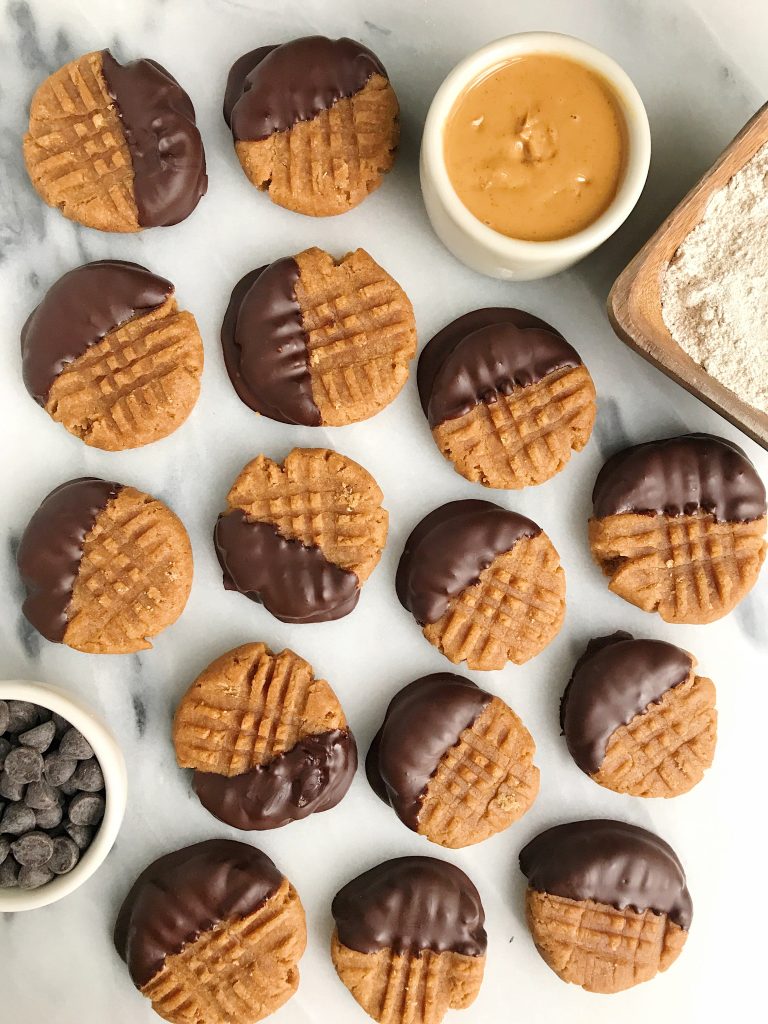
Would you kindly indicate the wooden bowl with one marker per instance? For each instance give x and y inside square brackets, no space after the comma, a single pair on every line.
[634,304]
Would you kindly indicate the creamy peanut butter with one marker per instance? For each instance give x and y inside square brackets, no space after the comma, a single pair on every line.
[535,148]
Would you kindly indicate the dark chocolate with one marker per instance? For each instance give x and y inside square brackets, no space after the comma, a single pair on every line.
[274,87]
[423,721]
[681,476]
[449,549]
[408,905]
[186,893]
[311,777]
[485,354]
[51,548]
[609,862]
[166,150]
[265,345]
[616,679]
[294,582]
[78,310]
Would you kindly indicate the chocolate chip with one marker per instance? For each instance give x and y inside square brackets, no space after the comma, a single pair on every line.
[10,788]
[57,768]
[86,809]
[22,715]
[5,747]
[61,723]
[39,738]
[88,776]
[9,873]
[69,788]
[81,835]
[24,765]
[74,744]
[66,854]
[5,715]
[5,845]
[33,878]
[49,817]
[40,796]
[33,849]
[17,820]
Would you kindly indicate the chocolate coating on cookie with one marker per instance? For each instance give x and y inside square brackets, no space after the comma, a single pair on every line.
[186,893]
[681,476]
[51,548]
[166,149]
[313,776]
[265,345]
[294,582]
[410,904]
[485,354]
[78,310]
[423,721]
[609,862]
[274,87]
[449,549]
[616,679]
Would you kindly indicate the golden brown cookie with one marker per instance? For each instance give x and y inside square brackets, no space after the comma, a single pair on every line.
[105,567]
[485,584]
[213,933]
[302,537]
[109,354]
[454,762]
[114,146]
[607,904]
[315,122]
[507,398]
[269,743]
[317,341]
[636,717]
[409,942]
[678,526]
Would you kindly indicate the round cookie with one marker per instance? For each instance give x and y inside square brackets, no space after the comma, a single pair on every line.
[409,941]
[636,717]
[507,398]
[485,584]
[104,567]
[303,536]
[213,933]
[678,526]
[454,762]
[115,146]
[315,122]
[110,356]
[269,743]
[607,904]
[318,342]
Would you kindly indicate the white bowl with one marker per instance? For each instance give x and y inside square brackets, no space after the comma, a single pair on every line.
[112,763]
[489,251]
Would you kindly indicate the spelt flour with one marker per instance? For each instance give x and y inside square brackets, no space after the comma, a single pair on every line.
[715,290]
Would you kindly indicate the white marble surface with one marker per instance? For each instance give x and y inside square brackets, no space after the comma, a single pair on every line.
[700,69]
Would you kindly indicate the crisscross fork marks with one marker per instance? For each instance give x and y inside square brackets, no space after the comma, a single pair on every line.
[238,972]
[689,568]
[75,150]
[514,610]
[666,750]
[249,706]
[524,438]
[484,783]
[404,988]
[599,947]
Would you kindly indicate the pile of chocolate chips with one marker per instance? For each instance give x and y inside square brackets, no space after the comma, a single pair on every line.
[51,795]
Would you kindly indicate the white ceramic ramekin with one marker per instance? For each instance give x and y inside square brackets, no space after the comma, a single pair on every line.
[473,242]
[112,763]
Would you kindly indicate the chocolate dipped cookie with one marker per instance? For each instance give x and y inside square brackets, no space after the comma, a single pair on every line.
[607,903]
[485,584]
[268,742]
[303,536]
[213,932]
[507,398]
[315,341]
[315,122]
[678,526]
[115,146]
[104,566]
[109,355]
[454,762]
[637,718]
[409,941]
